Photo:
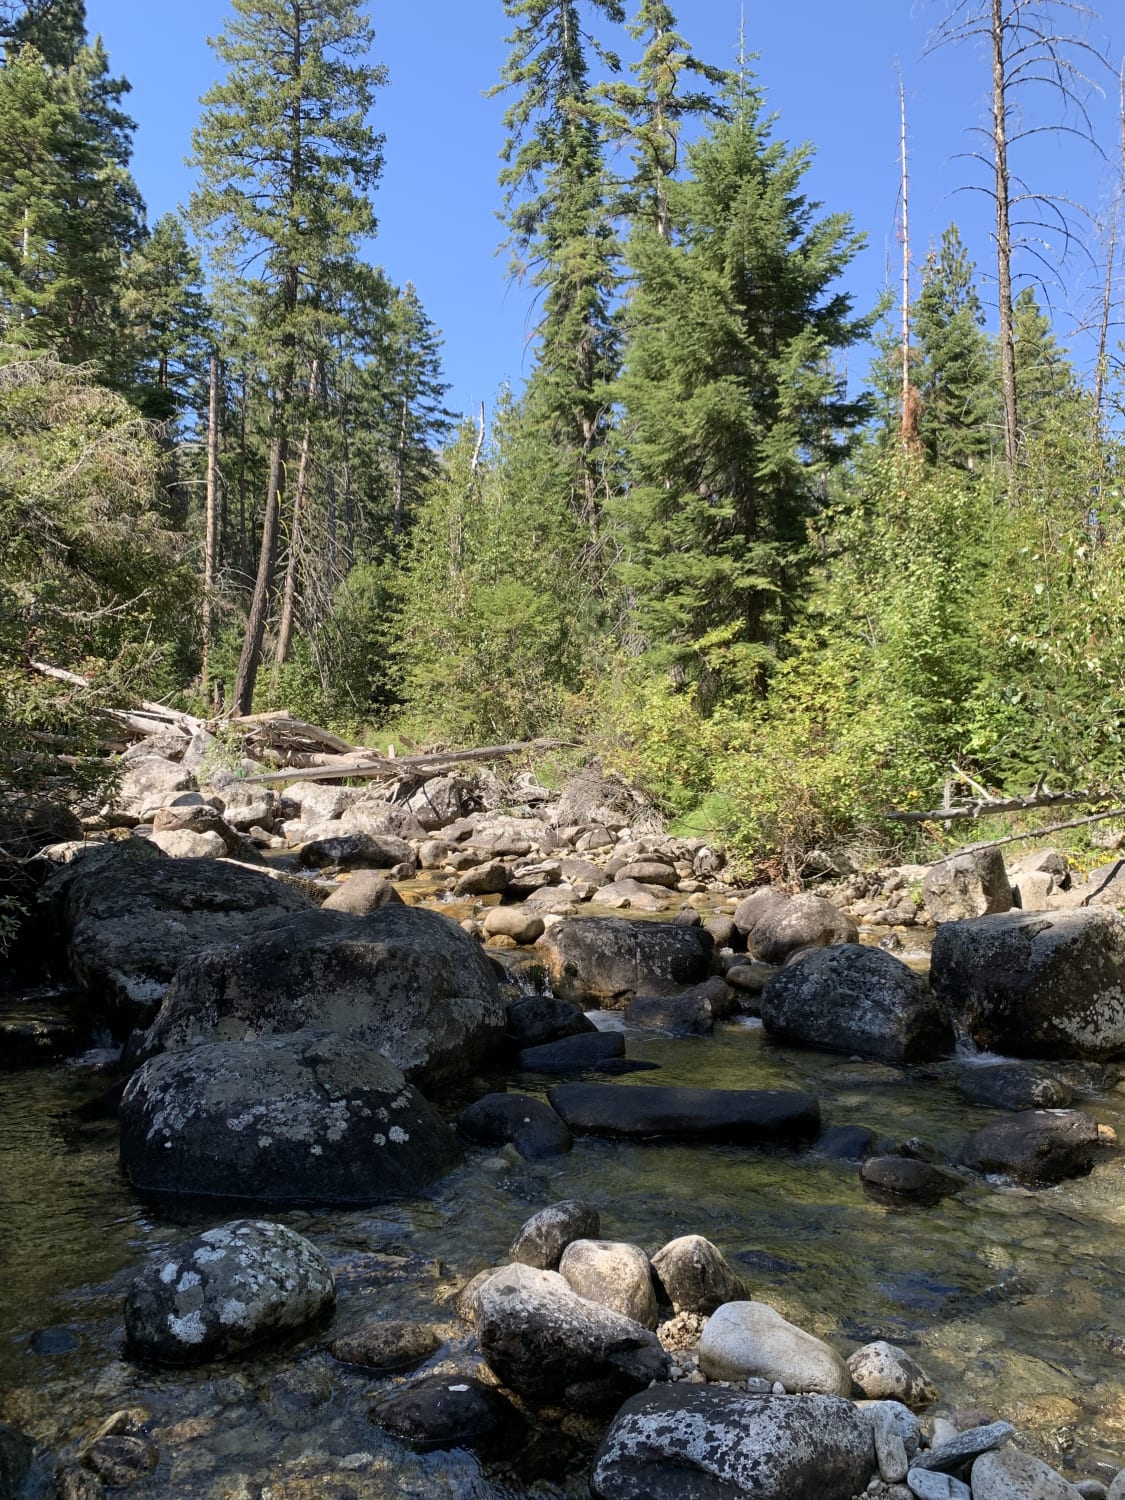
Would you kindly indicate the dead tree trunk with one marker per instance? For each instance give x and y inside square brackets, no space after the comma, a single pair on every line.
[211,527]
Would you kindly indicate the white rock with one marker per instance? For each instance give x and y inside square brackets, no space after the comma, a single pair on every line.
[743,1339]
[617,1275]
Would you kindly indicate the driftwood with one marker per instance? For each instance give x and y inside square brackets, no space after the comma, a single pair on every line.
[1038,833]
[982,807]
[405,767]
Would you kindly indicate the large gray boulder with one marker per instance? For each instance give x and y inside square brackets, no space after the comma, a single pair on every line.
[1036,984]
[149,782]
[439,801]
[404,980]
[549,1345]
[224,1290]
[611,959]
[314,1117]
[690,1442]
[130,917]
[973,883]
[854,999]
[803,921]
[1012,1475]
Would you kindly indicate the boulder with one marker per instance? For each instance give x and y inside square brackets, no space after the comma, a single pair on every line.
[514,922]
[440,801]
[744,1117]
[313,1117]
[908,1178]
[149,783]
[542,1240]
[754,908]
[444,1411]
[854,999]
[688,1014]
[542,1018]
[246,807]
[224,1290]
[531,1126]
[363,893]
[629,895]
[743,1340]
[373,815]
[614,1274]
[1012,1475]
[319,801]
[803,921]
[648,872]
[198,819]
[1035,984]
[405,980]
[610,958]
[1036,1145]
[130,917]
[884,1372]
[1014,1086]
[602,801]
[972,883]
[385,1346]
[374,851]
[574,1054]
[690,1442]
[695,1277]
[489,879]
[184,844]
[549,1345]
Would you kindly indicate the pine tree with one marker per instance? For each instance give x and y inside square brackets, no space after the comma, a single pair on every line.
[166,316]
[732,406]
[558,214]
[286,160]
[415,396]
[1045,379]
[55,28]
[953,367]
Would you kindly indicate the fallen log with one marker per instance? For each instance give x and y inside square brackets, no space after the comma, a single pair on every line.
[436,763]
[987,806]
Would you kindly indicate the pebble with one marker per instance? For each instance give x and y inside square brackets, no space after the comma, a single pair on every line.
[928,1484]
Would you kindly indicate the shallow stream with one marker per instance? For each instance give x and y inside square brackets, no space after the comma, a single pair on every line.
[1013,1301]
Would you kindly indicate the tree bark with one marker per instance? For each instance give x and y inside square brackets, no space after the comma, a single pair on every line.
[267,554]
[1004,236]
[211,529]
[293,567]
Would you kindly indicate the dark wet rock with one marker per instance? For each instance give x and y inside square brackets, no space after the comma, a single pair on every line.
[16,1453]
[313,1117]
[973,883]
[531,1126]
[373,851]
[574,1054]
[549,1345]
[1011,1475]
[444,1411]
[803,921]
[748,1117]
[611,958]
[848,1142]
[907,1178]
[695,1277]
[686,1442]
[73,1483]
[692,1013]
[884,1372]
[120,1459]
[224,1290]
[1035,1145]
[541,1018]
[404,980]
[54,1341]
[1036,984]
[384,1346]
[41,1027]
[542,1240]
[614,1274]
[1014,1086]
[959,1452]
[365,892]
[853,999]
[130,917]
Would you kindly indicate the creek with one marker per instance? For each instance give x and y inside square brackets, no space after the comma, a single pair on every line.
[1011,1300]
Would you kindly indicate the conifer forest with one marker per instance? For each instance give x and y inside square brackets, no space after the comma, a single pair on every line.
[784,562]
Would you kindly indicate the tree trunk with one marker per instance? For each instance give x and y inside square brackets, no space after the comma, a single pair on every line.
[909,431]
[400,470]
[1004,237]
[211,530]
[293,567]
[243,543]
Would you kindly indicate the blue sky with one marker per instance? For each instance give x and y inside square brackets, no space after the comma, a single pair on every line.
[828,68]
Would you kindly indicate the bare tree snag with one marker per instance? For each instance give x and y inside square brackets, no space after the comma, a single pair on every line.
[211,528]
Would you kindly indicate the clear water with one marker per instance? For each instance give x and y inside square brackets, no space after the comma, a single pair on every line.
[1012,1300]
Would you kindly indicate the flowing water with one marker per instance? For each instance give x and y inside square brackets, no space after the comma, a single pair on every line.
[1013,1301]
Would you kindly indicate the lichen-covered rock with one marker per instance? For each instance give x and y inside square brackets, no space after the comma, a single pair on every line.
[542,1240]
[550,1345]
[695,1275]
[1036,1145]
[613,1273]
[973,883]
[1012,1475]
[853,999]
[312,1117]
[747,1339]
[405,980]
[224,1290]
[130,917]
[612,959]
[1035,984]
[683,1441]
[884,1372]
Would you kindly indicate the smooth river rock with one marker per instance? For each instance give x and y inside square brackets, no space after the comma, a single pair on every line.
[531,1126]
[884,1372]
[854,999]
[1036,984]
[224,1290]
[613,1273]
[747,1117]
[695,1276]
[803,921]
[542,1240]
[1014,1086]
[1012,1475]
[1036,1145]
[742,1340]
[314,1117]
[690,1442]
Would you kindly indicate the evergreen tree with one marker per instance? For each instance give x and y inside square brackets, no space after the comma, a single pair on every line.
[732,407]
[1045,378]
[415,396]
[953,372]
[166,316]
[557,202]
[55,28]
[286,159]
